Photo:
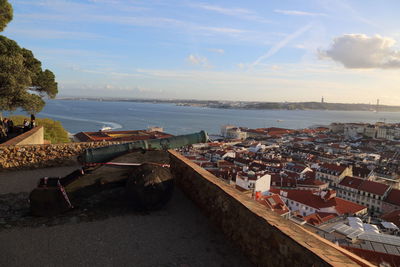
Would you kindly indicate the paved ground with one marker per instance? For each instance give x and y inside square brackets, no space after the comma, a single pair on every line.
[25,181]
[178,235]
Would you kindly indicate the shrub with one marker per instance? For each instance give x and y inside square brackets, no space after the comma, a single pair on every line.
[53,130]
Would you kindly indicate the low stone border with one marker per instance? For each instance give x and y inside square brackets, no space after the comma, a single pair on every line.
[38,156]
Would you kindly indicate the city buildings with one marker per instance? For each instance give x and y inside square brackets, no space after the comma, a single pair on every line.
[319,177]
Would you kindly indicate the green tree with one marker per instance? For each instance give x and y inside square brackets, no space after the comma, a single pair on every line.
[23,83]
[6,14]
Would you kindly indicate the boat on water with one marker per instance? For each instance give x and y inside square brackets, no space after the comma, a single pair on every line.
[105,129]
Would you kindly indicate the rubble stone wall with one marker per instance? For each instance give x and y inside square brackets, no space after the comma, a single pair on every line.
[38,156]
[265,237]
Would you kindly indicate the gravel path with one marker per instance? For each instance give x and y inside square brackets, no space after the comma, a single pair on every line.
[178,235]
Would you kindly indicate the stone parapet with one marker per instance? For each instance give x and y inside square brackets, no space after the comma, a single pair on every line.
[39,156]
[34,136]
[265,237]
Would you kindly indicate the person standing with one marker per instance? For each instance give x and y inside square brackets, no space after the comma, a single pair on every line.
[10,126]
[32,124]
[5,125]
[3,130]
[26,125]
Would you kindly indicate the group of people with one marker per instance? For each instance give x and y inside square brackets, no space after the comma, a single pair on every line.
[6,128]
[29,125]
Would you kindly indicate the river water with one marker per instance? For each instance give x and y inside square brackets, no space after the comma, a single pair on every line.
[84,115]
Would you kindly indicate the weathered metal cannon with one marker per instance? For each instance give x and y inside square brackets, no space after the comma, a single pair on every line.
[141,166]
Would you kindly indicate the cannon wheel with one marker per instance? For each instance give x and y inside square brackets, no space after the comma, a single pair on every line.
[149,187]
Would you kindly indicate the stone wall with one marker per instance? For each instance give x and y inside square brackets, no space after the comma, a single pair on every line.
[266,238]
[37,156]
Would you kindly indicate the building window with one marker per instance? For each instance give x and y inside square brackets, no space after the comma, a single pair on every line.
[297,204]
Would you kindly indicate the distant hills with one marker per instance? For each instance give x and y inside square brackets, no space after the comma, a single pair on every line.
[256,105]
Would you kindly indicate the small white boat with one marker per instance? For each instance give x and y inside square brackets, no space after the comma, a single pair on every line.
[105,129]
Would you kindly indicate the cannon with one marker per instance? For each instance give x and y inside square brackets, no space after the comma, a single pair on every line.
[140,166]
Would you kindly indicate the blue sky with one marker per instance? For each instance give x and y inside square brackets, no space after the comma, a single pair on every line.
[346,51]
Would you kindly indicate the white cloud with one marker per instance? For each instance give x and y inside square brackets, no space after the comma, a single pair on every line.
[55,34]
[224,10]
[220,30]
[298,13]
[241,13]
[143,21]
[217,50]
[198,60]
[364,52]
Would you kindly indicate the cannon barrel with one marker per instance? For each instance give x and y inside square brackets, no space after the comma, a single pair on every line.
[106,153]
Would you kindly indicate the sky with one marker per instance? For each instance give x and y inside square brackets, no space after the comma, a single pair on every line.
[345,51]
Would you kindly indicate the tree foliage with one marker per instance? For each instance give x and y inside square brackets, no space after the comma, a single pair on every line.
[6,14]
[23,83]
[53,130]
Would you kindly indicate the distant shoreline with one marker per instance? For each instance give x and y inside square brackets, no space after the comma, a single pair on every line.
[253,105]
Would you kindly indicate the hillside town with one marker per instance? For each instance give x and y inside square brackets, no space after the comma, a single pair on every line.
[341,180]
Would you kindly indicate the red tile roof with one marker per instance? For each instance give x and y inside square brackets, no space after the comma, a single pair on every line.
[295,167]
[351,182]
[275,203]
[366,186]
[308,198]
[332,167]
[310,181]
[393,197]
[278,181]
[393,217]
[373,187]
[312,199]
[224,163]
[375,257]
[347,207]
[309,175]
[319,217]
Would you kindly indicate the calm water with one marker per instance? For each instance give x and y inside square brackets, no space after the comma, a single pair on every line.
[82,115]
